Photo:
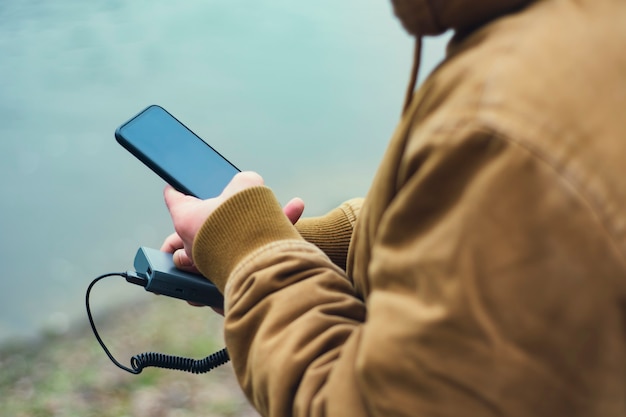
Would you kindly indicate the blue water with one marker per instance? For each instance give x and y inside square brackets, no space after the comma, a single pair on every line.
[306,93]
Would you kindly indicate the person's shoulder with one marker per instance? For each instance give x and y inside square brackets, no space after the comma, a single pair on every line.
[527,82]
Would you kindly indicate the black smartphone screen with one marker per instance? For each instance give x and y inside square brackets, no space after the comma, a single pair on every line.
[175,153]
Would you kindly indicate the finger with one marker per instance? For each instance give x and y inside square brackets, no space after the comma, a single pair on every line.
[172,243]
[219,311]
[294,209]
[191,303]
[183,262]
[174,198]
[240,182]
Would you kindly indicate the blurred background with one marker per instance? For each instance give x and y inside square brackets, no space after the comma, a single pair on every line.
[305,93]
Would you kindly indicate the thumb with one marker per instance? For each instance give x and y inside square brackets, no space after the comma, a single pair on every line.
[240,182]
[174,198]
[294,209]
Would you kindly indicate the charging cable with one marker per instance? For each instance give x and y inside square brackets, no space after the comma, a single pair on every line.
[148,359]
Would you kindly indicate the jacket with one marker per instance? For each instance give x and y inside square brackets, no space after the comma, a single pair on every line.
[484,272]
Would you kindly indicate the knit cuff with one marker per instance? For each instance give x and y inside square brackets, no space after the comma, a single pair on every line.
[245,222]
[332,232]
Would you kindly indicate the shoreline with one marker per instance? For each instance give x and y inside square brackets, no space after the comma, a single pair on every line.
[70,374]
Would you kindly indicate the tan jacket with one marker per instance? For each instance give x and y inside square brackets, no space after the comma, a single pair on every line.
[486,271]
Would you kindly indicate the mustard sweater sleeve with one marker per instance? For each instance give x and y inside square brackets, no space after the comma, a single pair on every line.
[333,231]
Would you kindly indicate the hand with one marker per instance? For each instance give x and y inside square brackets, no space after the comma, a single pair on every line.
[189,214]
[174,244]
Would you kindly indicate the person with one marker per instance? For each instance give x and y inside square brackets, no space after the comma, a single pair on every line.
[484,273]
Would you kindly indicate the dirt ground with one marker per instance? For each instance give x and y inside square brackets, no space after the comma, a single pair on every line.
[70,375]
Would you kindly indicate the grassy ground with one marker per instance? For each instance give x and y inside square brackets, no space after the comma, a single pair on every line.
[70,375]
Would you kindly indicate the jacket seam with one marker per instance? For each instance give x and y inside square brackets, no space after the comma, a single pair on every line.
[561,171]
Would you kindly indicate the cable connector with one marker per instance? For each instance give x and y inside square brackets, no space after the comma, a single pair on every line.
[134,278]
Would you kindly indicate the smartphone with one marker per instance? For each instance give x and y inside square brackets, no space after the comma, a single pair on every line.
[175,153]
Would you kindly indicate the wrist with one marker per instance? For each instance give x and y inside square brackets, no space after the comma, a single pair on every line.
[245,222]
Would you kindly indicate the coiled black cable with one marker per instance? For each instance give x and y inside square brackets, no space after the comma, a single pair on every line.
[152,359]
[143,360]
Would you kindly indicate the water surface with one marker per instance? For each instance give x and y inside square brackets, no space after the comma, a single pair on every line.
[306,93]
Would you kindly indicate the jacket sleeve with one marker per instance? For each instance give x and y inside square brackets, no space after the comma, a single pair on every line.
[485,269]
[289,308]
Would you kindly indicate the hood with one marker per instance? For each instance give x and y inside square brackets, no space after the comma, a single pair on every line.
[432,17]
